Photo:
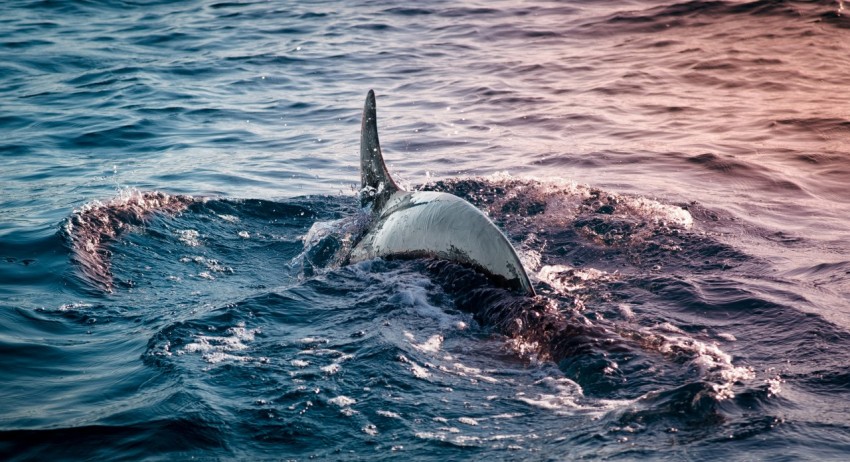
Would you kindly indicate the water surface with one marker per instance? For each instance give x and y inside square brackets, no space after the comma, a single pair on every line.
[673,174]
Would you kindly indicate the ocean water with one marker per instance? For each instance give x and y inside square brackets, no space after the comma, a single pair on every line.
[177,178]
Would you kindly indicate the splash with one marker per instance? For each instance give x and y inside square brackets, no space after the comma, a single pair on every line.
[549,328]
[563,396]
[562,323]
[712,364]
[91,229]
[606,217]
[569,280]
[217,349]
[327,244]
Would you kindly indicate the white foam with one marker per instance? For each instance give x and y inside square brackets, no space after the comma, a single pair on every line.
[454,436]
[432,345]
[189,237]
[331,369]
[563,396]
[209,263]
[567,279]
[774,385]
[468,421]
[661,214]
[712,364]
[74,306]
[525,348]
[457,440]
[508,415]
[466,371]
[418,371]
[529,255]
[216,357]
[342,401]
[219,349]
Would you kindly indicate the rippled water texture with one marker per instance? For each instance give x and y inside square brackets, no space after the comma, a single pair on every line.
[179,181]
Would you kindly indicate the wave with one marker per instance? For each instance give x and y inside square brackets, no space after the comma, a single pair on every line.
[700,12]
[91,229]
[134,441]
[546,328]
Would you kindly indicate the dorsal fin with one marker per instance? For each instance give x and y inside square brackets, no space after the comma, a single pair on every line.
[376,184]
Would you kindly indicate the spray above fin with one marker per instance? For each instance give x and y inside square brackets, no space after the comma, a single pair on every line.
[376,185]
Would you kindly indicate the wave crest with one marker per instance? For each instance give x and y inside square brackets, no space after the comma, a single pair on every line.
[90,229]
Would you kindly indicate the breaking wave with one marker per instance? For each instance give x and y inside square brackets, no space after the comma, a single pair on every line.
[91,229]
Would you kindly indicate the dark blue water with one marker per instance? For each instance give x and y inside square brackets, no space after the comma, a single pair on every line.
[178,178]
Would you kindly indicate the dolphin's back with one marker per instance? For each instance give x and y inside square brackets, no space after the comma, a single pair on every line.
[440,225]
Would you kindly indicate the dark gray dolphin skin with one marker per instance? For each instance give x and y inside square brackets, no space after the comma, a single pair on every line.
[426,223]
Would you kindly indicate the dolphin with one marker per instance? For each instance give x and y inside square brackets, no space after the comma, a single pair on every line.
[413,224]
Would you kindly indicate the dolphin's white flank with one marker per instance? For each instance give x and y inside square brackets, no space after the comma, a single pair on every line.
[427,224]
